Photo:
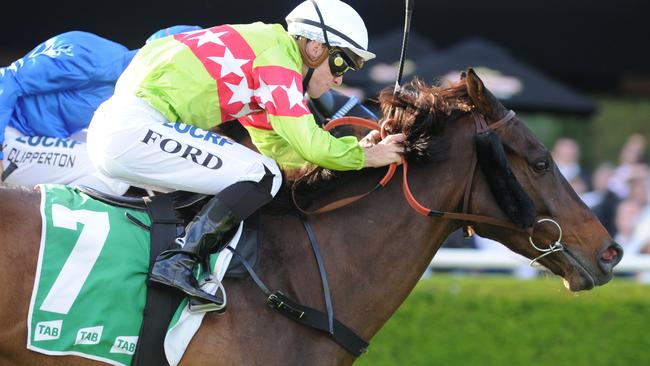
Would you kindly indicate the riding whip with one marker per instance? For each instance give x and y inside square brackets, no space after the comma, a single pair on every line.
[405,39]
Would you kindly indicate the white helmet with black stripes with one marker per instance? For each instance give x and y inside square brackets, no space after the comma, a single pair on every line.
[331,22]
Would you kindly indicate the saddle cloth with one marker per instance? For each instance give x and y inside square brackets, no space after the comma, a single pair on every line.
[89,288]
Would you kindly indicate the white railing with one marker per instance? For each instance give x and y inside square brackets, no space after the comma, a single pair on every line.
[486,259]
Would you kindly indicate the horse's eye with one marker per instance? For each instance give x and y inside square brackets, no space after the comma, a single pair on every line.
[542,165]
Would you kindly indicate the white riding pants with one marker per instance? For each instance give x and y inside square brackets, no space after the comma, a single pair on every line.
[31,160]
[131,141]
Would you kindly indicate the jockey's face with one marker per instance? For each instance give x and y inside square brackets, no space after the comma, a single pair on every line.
[322,79]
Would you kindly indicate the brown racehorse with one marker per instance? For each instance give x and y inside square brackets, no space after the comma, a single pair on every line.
[375,250]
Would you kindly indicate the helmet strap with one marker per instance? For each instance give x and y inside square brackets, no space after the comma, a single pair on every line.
[306,79]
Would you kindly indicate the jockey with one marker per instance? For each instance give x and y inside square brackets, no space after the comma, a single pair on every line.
[255,73]
[47,99]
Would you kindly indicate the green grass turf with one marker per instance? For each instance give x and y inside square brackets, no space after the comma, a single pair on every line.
[498,320]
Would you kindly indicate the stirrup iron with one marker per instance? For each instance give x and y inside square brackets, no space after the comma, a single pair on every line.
[196,305]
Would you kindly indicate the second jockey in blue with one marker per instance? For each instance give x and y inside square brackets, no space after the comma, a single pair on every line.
[48,98]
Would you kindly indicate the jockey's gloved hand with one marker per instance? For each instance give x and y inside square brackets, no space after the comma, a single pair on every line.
[388,151]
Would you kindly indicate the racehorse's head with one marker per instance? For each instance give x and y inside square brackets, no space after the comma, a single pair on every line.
[589,253]
[509,176]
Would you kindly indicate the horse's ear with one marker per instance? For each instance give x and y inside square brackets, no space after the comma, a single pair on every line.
[483,99]
[463,75]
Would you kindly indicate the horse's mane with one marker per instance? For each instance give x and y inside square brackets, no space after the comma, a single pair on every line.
[419,111]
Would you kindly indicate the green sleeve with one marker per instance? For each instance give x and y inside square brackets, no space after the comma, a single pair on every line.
[317,146]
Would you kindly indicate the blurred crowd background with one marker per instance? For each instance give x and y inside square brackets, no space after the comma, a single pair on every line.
[578,72]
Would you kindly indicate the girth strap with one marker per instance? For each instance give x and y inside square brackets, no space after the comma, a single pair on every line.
[313,318]
[162,301]
[305,315]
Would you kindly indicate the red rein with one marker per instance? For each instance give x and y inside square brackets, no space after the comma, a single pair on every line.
[357,121]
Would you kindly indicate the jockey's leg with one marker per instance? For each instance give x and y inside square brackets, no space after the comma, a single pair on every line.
[205,233]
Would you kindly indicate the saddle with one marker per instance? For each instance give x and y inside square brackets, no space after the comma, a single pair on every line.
[184,206]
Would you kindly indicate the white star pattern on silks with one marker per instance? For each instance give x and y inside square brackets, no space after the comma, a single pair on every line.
[264,92]
[244,111]
[209,37]
[294,95]
[241,92]
[229,63]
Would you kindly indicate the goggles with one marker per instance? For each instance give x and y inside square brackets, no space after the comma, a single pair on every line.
[340,62]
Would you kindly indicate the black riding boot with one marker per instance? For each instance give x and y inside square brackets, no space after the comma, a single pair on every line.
[203,235]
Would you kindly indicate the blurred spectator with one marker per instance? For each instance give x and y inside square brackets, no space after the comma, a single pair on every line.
[566,154]
[627,216]
[600,184]
[638,182]
[626,180]
[602,200]
[606,211]
[641,236]
[632,155]
[640,193]
[640,242]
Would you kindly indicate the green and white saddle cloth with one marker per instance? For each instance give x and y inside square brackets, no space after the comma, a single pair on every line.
[89,290]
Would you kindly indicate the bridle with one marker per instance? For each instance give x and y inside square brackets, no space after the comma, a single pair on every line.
[481,125]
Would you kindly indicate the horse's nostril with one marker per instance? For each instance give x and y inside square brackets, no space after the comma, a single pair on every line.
[612,255]
[609,254]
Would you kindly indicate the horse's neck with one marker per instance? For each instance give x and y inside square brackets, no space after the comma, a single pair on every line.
[395,256]
[375,252]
